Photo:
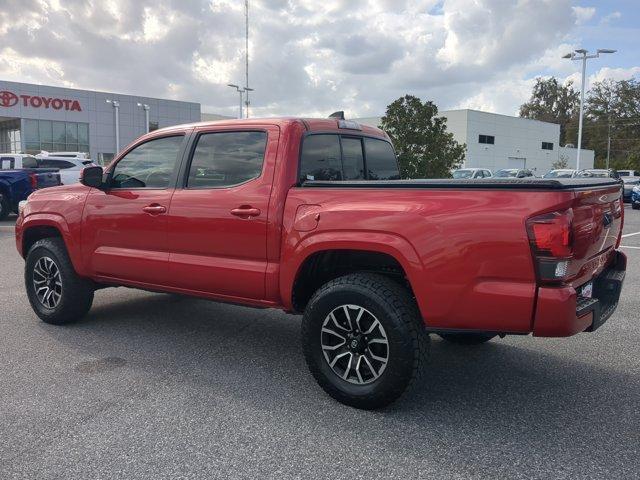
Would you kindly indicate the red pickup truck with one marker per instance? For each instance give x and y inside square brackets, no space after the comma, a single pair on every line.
[309,216]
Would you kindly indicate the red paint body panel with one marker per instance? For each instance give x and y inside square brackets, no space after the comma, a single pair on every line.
[466,253]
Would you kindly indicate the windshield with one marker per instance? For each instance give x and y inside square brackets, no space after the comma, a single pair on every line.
[463,174]
[506,173]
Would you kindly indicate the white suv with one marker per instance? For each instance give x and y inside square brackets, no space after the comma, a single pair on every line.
[69,168]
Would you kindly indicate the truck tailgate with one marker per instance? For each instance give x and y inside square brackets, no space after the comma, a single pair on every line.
[597,219]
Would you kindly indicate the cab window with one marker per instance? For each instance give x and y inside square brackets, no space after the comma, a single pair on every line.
[320,158]
[148,165]
[380,160]
[224,159]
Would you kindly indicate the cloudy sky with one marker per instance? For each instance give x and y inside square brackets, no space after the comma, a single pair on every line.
[312,58]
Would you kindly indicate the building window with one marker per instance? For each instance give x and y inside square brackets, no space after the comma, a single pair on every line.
[55,136]
[10,136]
[547,145]
[490,139]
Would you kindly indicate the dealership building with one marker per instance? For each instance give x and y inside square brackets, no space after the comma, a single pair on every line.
[34,118]
[497,141]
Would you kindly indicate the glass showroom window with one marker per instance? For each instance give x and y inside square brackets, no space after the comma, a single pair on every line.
[55,136]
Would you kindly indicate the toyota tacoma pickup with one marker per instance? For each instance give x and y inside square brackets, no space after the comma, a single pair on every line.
[310,216]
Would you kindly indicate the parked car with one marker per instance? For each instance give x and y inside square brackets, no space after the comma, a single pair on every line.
[17,185]
[69,168]
[81,155]
[598,173]
[628,184]
[514,173]
[472,173]
[635,197]
[301,215]
[561,173]
[629,173]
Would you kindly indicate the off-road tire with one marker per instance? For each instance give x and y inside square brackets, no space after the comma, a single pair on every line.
[635,206]
[395,308]
[467,338]
[77,293]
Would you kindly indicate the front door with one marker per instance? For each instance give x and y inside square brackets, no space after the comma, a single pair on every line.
[218,221]
[124,232]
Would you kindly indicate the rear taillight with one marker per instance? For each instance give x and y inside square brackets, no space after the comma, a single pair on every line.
[34,180]
[551,240]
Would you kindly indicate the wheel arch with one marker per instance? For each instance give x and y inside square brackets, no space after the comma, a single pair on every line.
[387,254]
[39,226]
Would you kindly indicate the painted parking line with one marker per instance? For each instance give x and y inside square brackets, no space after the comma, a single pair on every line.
[630,234]
[629,246]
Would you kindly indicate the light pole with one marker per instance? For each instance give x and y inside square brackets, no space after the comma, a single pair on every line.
[116,108]
[145,107]
[240,92]
[583,55]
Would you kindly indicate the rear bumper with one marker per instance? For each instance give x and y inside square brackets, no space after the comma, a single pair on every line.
[561,312]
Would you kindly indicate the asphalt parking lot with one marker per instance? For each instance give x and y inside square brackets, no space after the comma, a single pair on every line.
[157,386]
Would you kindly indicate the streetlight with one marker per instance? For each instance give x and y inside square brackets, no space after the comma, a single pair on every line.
[116,108]
[582,54]
[240,91]
[145,107]
[247,89]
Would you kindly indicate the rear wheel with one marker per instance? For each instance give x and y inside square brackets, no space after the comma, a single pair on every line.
[635,206]
[363,340]
[56,293]
[467,338]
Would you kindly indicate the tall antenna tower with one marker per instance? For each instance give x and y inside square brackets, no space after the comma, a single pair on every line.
[246,54]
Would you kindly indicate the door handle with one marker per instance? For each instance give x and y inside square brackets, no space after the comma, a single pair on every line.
[154,209]
[245,211]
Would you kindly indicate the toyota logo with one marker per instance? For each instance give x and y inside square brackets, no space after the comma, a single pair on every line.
[8,99]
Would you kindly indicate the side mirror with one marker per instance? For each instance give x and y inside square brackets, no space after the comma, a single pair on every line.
[91,177]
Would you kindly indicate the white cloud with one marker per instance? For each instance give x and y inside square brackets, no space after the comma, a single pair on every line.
[356,55]
[583,14]
[607,19]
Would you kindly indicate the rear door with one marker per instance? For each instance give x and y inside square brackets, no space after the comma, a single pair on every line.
[217,232]
[124,229]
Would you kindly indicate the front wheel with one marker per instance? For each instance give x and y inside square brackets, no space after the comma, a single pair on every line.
[363,339]
[56,293]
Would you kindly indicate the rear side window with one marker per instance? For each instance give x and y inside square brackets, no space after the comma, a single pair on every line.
[224,159]
[320,158]
[29,162]
[352,159]
[381,160]
[62,164]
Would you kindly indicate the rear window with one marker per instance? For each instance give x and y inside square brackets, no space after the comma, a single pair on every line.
[381,160]
[321,158]
[336,157]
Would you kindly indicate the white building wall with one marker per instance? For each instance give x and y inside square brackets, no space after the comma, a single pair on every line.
[99,114]
[518,141]
[587,157]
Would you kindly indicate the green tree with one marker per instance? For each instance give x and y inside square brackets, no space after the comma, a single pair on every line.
[553,102]
[425,149]
[613,109]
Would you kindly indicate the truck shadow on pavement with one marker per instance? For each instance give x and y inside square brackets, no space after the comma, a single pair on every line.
[508,395]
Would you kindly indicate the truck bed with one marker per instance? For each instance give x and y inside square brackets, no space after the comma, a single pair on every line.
[484,183]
